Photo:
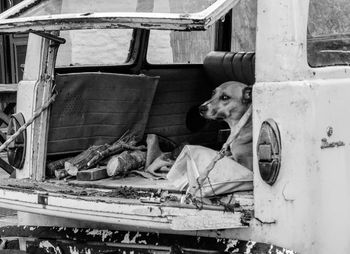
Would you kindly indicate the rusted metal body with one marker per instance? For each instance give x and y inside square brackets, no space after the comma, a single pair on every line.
[77,240]
[123,204]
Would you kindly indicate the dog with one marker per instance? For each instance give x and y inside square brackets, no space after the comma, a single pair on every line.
[228,104]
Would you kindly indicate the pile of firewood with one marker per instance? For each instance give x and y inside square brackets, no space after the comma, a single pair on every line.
[117,159]
[86,165]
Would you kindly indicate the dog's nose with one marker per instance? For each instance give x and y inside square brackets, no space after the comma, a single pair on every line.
[202,109]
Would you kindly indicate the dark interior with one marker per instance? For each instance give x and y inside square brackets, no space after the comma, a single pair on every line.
[173,112]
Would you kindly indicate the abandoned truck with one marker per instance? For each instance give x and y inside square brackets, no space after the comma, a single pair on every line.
[96,71]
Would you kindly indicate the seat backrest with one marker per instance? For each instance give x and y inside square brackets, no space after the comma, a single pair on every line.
[95,108]
[230,66]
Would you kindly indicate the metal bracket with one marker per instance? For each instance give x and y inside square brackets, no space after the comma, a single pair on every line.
[43,198]
[51,37]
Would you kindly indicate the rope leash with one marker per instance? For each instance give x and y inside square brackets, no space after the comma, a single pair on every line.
[200,180]
[36,114]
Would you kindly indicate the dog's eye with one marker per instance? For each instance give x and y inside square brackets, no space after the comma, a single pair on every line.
[224,97]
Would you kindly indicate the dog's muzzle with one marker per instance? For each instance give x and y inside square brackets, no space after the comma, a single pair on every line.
[202,109]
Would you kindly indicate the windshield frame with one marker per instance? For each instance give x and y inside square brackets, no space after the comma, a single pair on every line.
[11,21]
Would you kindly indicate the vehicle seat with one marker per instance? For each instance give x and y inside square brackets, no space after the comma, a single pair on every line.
[230,66]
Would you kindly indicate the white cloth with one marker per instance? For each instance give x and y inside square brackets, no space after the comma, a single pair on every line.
[227,176]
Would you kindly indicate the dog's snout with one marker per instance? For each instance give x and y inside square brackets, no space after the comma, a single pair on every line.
[202,109]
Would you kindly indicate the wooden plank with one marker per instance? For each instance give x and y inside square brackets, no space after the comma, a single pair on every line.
[92,174]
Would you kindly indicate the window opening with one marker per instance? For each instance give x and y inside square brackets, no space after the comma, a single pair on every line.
[94,47]
[328,33]
[173,47]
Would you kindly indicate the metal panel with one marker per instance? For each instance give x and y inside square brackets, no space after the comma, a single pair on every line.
[110,207]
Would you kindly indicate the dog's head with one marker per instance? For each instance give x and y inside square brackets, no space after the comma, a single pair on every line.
[227,102]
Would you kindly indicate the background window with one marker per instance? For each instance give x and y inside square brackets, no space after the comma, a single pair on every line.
[94,47]
[244,26]
[328,38]
[172,47]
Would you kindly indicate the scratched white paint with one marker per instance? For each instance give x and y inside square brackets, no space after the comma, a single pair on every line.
[230,244]
[250,245]
[73,250]
[126,238]
[103,233]
[48,246]
[87,251]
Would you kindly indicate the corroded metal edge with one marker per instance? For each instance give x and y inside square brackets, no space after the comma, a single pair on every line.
[84,240]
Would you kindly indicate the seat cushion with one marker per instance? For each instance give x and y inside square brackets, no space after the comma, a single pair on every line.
[230,66]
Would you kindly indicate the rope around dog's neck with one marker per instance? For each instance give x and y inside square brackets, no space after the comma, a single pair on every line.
[192,190]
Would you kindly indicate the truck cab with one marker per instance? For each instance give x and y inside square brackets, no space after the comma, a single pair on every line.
[94,70]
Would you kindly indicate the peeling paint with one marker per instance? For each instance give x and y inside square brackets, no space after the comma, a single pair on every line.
[126,238]
[231,244]
[250,246]
[103,233]
[64,241]
[47,246]
[73,250]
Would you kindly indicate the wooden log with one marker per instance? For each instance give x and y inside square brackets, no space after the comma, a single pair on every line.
[92,174]
[51,167]
[60,173]
[80,161]
[125,162]
[90,157]
[126,142]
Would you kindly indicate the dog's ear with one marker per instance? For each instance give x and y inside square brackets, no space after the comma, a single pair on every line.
[247,95]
